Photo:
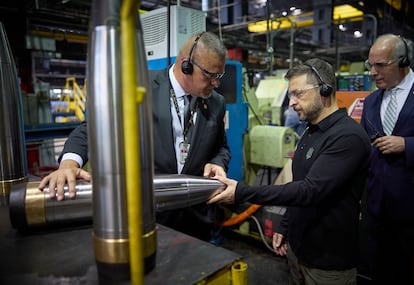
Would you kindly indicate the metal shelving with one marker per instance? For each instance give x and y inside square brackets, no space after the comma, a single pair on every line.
[47,67]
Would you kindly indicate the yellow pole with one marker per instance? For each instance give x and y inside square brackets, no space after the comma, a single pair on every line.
[239,273]
[131,97]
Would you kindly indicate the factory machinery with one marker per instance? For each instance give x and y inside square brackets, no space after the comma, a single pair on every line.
[267,150]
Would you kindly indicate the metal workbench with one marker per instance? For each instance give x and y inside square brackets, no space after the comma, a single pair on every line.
[64,255]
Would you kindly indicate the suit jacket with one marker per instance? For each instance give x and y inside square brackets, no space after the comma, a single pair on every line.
[391,177]
[208,139]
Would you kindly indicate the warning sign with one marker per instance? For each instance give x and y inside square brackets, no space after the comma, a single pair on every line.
[353,101]
[355,110]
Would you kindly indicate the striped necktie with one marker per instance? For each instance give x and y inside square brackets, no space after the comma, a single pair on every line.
[390,116]
[187,109]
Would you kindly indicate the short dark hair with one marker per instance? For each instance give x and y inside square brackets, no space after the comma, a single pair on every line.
[324,69]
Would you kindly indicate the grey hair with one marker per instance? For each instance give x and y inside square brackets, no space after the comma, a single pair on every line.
[208,41]
[399,48]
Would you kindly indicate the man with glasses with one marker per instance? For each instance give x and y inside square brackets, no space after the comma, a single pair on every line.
[193,143]
[319,231]
[388,118]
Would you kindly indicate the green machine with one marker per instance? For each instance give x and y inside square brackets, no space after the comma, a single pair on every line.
[268,143]
[268,147]
[270,94]
[271,145]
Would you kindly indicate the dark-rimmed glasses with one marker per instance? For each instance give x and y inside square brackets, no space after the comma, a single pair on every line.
[208,74]
[299,92]
[378,65]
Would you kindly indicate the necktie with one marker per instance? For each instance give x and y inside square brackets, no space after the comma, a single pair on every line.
[390,116]
[187,110]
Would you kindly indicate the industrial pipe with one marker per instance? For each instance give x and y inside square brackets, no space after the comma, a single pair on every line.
[13,163]
[31,208]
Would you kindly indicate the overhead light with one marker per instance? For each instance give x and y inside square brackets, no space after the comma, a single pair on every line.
[342,27]
[296,12]
[343,12]
[302,20]
[358,34]
[340,13]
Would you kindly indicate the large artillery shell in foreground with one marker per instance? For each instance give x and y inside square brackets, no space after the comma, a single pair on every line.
[13,165]
[31,207]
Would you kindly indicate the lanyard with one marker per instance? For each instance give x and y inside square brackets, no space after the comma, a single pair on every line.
[177,110]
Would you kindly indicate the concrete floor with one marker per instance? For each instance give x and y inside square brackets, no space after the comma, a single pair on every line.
[264,266]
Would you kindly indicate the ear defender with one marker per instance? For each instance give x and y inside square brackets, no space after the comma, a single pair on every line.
[325,88]
[186,65]
[403,60]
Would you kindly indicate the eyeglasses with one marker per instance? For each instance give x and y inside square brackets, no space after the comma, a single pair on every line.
[378,65]
[299,92]
[207,73]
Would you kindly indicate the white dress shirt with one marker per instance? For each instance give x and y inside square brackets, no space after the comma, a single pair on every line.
[178,123]
[404,88]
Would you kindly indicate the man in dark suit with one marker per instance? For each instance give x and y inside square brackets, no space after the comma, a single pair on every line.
[192,144]
[390,203]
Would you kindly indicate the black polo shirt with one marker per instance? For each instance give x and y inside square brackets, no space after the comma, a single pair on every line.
[329,174]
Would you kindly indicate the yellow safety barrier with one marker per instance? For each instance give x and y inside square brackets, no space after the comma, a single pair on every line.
[73,100]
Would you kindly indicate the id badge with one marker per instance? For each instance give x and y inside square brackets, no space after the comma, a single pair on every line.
[184,149]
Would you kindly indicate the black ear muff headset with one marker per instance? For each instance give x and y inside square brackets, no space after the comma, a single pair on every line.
[403,60]
[325,88]
[186,65]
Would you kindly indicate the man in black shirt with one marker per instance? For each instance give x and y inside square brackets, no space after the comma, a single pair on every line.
[319,232]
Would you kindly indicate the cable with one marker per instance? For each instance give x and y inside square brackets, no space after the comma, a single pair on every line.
[241,217]
[219,19]
[248,213]
[261,234]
